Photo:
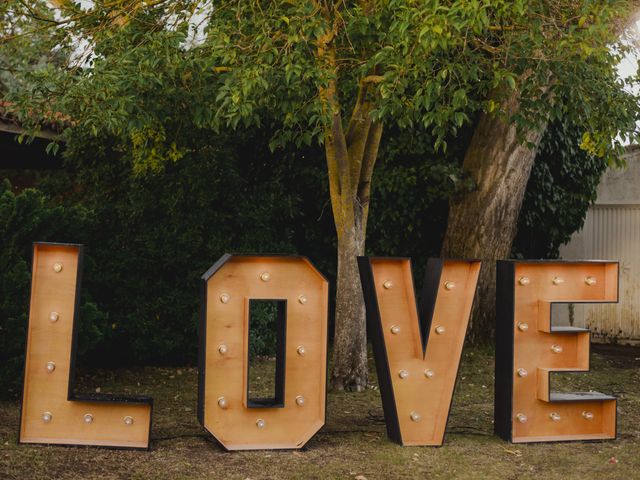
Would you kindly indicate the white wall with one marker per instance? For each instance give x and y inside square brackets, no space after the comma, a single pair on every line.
[612,232]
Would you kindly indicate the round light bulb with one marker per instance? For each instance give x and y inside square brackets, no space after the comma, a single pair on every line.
[440,329]
[522,372]
[449,285]
[265,276]
[53,317]
[415,416]
[57,267]
[523,327]
[556,348]
[222,402]
[128,420]
[429,373]
[302,299]
[590,281]
[395,329]
[260,423]
[587,415]
[521,417]
[403,374]
[300,400]
[224,298]
[301,350]
[558,280]
[524,281]
[47,417]
[555,417]
[88,418]
[222,349]
[387,284]
[51,366]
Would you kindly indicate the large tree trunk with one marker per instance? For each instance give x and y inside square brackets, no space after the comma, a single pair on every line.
[482,223]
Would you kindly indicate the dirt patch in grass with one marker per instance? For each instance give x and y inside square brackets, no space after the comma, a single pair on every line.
[352,444]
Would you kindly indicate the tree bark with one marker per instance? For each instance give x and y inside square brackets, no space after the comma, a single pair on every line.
[482,223]
[350,371]
[350,192]
[351,154]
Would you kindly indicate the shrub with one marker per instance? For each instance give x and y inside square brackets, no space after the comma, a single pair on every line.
[25,217]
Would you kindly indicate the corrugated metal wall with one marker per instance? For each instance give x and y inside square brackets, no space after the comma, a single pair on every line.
[612,232]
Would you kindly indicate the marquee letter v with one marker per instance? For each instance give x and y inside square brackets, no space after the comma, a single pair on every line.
[417,350]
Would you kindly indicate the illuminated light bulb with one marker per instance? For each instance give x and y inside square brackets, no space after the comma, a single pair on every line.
[587,415]
[222,402]
[57,267]
[265,276]
[224,298]
[429,373]
[521,417]
[301,350]
[302,299]
[524,281]
[88,418]
[51,366]
[440,329]
[47,417]
[387,284]
[415,416]
[260,423]
[222,349]
[128,420]
[523,327]
[557,280]
[522,372]
[300,400]
[556,348]
[395,329]
[590,281]
[449,285]
[555,417]
[53,317]
[403,374]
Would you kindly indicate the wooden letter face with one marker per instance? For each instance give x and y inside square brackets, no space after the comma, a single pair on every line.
[51,412]
[529,348]
[417,352]
[297,411]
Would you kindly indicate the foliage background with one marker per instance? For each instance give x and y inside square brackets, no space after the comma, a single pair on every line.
[149,236]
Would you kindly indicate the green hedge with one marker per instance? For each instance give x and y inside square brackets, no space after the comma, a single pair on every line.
[25,217]
[150,237]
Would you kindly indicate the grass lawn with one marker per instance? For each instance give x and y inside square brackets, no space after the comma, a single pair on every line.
[352,444]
